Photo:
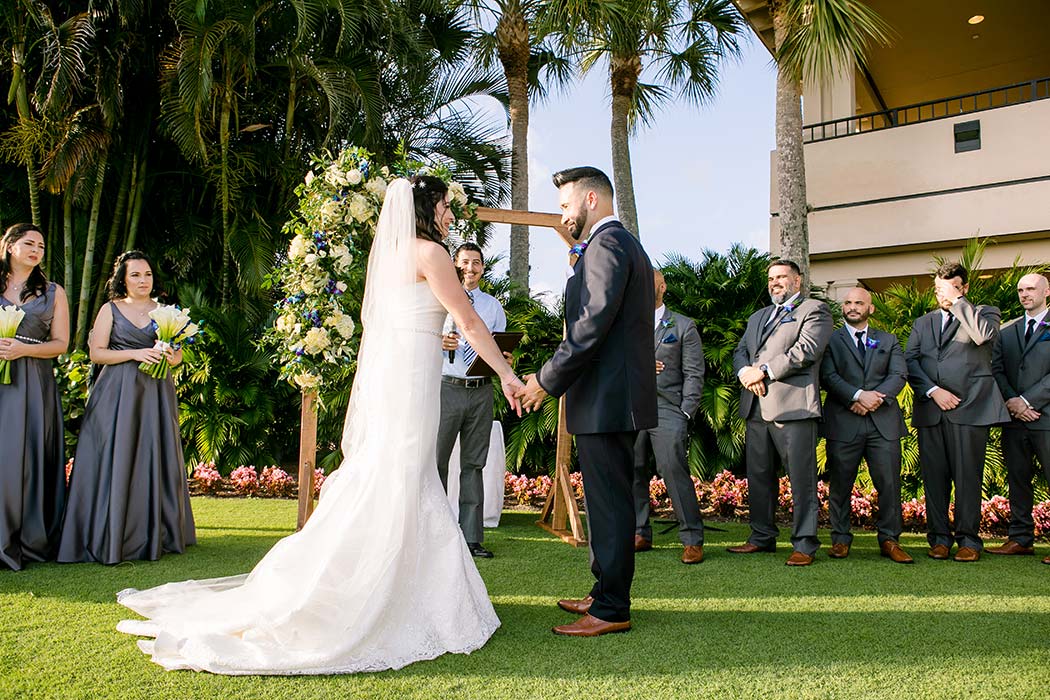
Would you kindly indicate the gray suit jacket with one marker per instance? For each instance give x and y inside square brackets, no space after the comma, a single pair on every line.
[1023,369]
[843,372]
[681,383]
[791,347]
[959,361]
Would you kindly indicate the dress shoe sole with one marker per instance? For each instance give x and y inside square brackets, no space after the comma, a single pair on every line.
[615,628]
[905,561]
[938,557]
[761,550]
[837,556]
[1022,553]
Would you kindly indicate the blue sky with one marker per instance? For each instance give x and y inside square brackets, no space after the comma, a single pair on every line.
[701,174]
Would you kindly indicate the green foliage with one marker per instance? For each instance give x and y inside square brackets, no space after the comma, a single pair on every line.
[719,292]
[72,372]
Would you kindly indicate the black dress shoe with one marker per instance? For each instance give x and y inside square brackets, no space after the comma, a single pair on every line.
[478,551]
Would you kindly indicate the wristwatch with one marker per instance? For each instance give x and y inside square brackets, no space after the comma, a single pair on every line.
[765,370]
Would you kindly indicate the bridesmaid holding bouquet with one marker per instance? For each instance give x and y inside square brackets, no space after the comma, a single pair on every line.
[32,449]
[128,497]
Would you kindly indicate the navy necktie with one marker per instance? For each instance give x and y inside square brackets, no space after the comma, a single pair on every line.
[860,342]
[1031,329]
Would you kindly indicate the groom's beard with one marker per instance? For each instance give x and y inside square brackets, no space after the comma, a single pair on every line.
[579,223]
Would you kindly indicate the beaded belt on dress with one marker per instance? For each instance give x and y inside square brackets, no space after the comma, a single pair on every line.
[421,330]
[24,339]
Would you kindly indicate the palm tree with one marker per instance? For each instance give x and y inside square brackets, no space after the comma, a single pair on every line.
[814,39]
[681,43]
[530,68]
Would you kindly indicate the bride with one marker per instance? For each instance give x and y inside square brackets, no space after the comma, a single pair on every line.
[380,576]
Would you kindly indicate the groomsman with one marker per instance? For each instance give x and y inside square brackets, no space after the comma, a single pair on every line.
[778,364]
[466,404]
[1021,362]
[949,359]
[679,385]
[863,370]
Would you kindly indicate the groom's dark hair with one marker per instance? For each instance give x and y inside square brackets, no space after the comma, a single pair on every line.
[589,177]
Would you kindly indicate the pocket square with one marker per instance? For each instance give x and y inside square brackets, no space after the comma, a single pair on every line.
[670,338]
[788,319]
[1044,336]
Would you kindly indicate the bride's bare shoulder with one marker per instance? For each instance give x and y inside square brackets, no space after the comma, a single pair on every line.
[430,254]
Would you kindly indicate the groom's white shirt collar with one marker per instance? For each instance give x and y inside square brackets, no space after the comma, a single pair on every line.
[598,224]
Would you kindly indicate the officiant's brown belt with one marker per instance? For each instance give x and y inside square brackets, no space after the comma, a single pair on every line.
[469,383]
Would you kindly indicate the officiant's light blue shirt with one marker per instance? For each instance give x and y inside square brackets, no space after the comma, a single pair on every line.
[494,318]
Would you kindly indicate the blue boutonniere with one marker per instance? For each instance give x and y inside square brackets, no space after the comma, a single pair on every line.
[668,323]
[871,343]
[578,249]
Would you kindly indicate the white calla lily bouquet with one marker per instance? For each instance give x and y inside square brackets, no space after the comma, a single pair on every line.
[174,327]
[10,318]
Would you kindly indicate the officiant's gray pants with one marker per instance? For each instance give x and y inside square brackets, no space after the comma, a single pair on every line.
[466,413]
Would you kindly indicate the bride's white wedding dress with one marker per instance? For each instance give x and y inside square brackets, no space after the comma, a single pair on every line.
[380,576]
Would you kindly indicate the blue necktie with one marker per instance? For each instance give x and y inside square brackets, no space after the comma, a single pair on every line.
[468,352]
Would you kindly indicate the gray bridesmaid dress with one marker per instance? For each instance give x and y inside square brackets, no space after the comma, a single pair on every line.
[128,497]
[32,447]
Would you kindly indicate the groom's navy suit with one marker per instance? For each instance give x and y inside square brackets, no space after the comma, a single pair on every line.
[604,367]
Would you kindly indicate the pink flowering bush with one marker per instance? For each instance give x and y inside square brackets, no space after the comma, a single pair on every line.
[319,477]
[207,478]
[657,492]
[995,513]
[69,470]
[276,482]
[245,481]
[1041,515]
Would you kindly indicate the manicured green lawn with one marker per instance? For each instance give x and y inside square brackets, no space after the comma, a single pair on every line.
[732,627]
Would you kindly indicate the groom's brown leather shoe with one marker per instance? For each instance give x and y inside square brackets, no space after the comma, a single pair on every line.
[1011,547]
[590,626]
[576,607]
[1047,560]
[967,554]
[641,544]
[938,551]
[748,548]
[839,550]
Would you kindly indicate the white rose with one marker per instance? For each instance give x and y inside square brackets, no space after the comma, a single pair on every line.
[360,208]
[376,187]
[307,380]
[286,324]
[298,247]
[353,177]
[458,193]
[341,286]
[331,209]
[310,259]
[343,324]
[316,340]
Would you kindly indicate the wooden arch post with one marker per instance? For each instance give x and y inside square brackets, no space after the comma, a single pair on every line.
[560,514]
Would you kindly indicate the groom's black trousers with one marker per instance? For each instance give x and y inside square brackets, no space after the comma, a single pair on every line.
[607,464]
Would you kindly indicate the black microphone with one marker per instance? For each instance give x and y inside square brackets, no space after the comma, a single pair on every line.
[452,353]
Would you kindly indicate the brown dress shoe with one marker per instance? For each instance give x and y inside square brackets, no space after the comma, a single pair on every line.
[891,549]
[967,554]
[938,551]
[1047,560]
[839,550]
[576,607]
[1011,547]
[589,626]
[693,554]
[748,548]
[799,559]
[641,544]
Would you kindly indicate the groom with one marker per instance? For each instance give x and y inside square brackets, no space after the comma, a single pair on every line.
[604,369]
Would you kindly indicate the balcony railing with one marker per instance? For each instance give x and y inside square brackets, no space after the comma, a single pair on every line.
[928,111]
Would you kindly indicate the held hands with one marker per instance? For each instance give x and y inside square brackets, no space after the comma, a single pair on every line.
[754,380]
[945,399]
[1021,411]
[513,389]
[11,349]
[532,394]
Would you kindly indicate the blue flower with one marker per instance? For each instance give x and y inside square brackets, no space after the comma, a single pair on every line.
[871,343]
[578,249]
[666,323]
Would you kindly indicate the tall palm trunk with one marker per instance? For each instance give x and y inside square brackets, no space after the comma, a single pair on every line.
[67,236]
[138,193]
[512,37]
[84,297]
[21,98]
[791,165]
[623,75]
[224,182]
[114,231]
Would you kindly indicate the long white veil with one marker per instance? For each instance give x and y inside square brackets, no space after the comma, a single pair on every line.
[382,387]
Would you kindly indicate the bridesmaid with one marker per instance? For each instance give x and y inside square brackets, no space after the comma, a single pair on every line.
[127,496]
[32,441]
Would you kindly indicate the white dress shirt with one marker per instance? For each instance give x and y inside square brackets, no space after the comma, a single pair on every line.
[864,339]
[659,315]
[495,320]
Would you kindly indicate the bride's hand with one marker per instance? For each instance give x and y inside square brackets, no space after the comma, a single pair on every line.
[512,386]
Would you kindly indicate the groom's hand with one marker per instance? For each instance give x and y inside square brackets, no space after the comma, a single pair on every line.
[533,395]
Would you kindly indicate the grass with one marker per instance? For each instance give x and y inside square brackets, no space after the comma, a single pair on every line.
[732,627]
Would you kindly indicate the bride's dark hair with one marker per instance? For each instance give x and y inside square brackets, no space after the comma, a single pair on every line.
[427,191]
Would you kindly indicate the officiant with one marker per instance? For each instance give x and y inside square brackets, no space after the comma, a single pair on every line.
[467,403]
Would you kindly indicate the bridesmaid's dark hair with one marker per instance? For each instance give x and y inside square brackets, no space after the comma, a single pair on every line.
[36,285]
[117,283]
[427,191]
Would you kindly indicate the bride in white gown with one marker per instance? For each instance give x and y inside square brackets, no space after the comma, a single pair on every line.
[380,576]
